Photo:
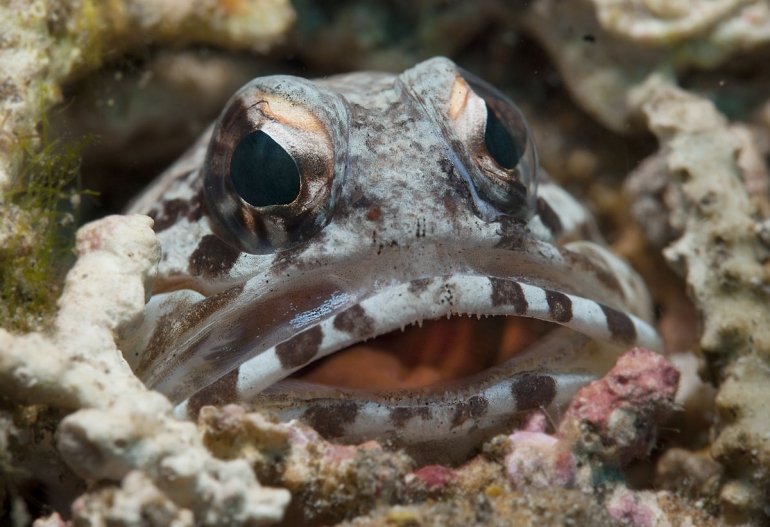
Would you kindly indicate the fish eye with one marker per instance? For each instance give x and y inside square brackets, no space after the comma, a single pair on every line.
[501,146]
[275,164]
[486,134]
[263,172]
[506,159]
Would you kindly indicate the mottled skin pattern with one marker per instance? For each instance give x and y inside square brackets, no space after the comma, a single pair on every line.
[403,216]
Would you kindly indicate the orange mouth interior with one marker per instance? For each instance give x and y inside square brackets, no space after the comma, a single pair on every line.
[441,350]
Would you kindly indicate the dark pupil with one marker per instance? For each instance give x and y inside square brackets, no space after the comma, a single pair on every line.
[263,173]
[500,145]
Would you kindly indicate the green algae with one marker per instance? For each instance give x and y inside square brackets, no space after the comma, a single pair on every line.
[37,214]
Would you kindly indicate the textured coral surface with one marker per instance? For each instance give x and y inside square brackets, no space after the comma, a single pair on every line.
[653,112]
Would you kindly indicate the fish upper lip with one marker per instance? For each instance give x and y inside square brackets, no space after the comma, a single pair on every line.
[360,273]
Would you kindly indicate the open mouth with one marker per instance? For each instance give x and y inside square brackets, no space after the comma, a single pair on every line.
[454,377]
[244,340]
[427,354]
[451,377]
[440,387]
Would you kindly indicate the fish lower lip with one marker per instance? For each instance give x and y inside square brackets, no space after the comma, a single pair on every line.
[457,414]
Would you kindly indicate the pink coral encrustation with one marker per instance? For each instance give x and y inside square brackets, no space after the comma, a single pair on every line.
[608,423]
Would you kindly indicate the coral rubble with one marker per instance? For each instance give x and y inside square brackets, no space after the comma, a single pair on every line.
[622,43]
[704,192]
[118,430]
[47,43]
[609,422]
[721,253]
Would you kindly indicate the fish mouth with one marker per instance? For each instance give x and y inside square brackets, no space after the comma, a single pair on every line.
[427,353]
[529,329]
[348,371]
[256,334]
[440,387]
[446,378]
[439,329]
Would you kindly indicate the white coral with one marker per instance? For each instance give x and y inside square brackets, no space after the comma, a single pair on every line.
[120,429]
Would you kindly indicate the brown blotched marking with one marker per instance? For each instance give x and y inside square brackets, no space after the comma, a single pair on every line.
[449,203]
[447,167]
[513,235]
[508,293]
[197,204]
[621,326]
[354,321]
[458,188]
[549,218]
[581,262]
[212,258]
[420,285]
[560,305]
[533,390]
[289,258]
[176,209]
[374,213]
[172,326]
[300,349]
[223,391]
[173,209]
[330,420]
[400,415]
[473,408]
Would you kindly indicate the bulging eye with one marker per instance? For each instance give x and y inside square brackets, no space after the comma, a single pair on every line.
[263,172]
[503,148]
[506,159]
[275,164]
[488,137]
